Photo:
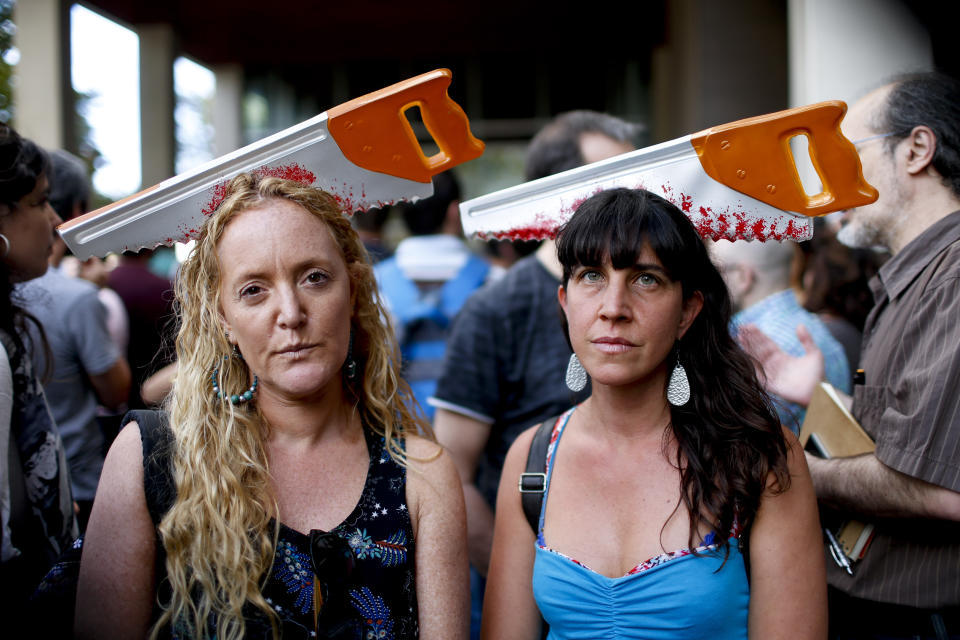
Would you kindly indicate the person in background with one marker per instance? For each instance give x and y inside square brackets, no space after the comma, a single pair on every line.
[674,505]
[834,280]
[503,254]
[87,369]
[147,299]
[37,520]
[907,585]
[506,355]
[369,226]
[426,281]
[758,277]
[290,490]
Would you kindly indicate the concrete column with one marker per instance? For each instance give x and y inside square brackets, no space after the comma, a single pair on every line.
[157,135]
[43,98]
[721,61]
[841,50]
[228,109]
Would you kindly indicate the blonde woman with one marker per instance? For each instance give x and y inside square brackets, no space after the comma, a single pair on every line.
[309,500]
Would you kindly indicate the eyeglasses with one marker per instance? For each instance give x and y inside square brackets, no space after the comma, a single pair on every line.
[856,143]
[332,560]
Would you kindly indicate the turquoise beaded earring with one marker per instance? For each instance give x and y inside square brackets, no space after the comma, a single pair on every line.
[237,398]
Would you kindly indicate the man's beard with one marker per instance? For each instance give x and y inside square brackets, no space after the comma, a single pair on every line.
[860,234]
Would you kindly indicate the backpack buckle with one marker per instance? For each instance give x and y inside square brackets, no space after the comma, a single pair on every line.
[532,483]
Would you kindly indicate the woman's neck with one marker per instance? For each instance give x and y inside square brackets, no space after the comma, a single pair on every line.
[307,422]
[631,412]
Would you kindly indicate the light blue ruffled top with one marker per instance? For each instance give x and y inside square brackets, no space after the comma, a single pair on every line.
[676,596]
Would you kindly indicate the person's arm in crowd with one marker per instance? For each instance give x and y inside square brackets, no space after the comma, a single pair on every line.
[436,508]
[107,370]
[155,388]
[793,378]
[113,385]
[865,485]
[868,485]
[115,591]
[787,561]
[465,439]
[6,408]
[509,609]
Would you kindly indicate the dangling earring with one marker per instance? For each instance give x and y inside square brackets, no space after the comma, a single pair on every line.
[236,398]
[6,245]
[576,378]
[351,364]
[236,353]
[678,390]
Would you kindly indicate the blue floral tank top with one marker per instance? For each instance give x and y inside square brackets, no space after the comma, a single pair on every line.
[369,589]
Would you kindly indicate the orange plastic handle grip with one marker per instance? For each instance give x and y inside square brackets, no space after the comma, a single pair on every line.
[374,133]
[753,156]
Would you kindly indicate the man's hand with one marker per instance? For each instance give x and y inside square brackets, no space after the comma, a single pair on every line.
[793,378]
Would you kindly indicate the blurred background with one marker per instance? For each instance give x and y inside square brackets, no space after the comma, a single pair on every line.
[143,90]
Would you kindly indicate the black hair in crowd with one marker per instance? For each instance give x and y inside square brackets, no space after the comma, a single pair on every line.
[556,147]
[933,100]
[729,438]
[21,164]
[427,216]
[69,184]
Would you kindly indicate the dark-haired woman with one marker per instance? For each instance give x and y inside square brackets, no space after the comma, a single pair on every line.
[676,507]
[35,503]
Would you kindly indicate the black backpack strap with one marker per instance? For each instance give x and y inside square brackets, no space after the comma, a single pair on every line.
[157,439]
[533,481]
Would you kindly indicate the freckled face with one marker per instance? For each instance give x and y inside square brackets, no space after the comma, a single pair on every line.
[286,298]
[29,228]
[624,322]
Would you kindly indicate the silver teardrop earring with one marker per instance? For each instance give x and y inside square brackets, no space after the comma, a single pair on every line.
[576,378]
[6,245]
[678,389]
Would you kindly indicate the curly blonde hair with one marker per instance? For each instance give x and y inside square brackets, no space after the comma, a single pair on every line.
[217,535]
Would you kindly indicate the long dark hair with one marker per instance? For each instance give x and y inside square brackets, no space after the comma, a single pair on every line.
[728,435]
[21,164]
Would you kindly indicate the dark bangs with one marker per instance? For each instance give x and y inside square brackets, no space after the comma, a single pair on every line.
[617,223]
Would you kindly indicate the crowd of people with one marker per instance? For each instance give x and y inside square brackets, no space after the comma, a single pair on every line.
[599,441]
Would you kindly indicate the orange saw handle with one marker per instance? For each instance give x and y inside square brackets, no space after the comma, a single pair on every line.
[753,156]
[373,131]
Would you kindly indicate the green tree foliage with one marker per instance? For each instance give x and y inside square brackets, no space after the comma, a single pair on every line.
[7,29]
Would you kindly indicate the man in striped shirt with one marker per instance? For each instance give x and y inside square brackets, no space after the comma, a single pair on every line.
[907,585]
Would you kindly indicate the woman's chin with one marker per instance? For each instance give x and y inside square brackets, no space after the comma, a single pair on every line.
[307,382]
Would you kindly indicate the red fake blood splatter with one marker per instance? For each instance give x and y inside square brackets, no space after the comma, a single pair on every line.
[543,227]
[792,231]
[722,224]
[293,172]
[741,229]
[219,193]
[536,231]
[686,203]
[759,229]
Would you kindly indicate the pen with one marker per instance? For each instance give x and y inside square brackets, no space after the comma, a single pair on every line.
[837,552]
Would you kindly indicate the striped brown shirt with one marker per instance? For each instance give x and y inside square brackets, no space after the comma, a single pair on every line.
[910,405]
